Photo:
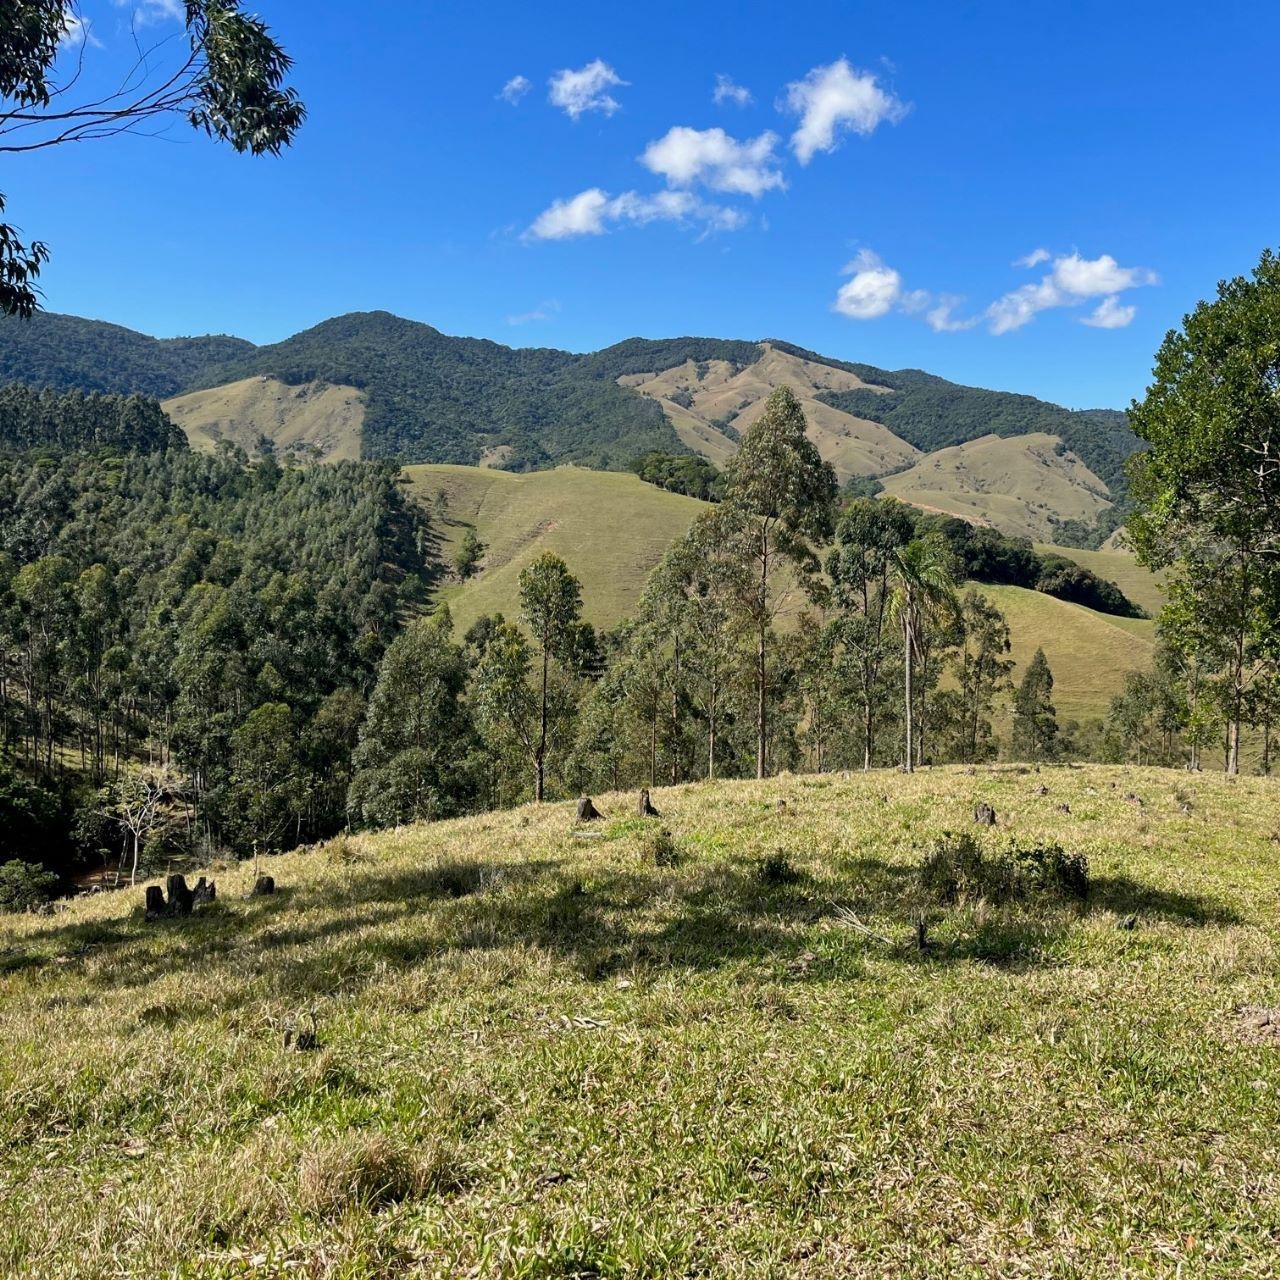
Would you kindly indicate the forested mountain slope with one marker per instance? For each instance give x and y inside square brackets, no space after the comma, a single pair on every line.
[407,391]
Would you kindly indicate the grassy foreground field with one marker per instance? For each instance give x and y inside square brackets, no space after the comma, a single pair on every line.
[551,1052]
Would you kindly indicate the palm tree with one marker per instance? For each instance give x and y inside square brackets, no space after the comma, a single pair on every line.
[923,585]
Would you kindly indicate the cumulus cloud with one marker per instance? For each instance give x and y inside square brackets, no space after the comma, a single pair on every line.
[1033,259]
[726,91]
[77,33]
[1110,313]
[547,310]
[941,318]
[834,100]
[872,290]
[1073,280]
[687,156]
[587,89]
[515,89]
[593,212]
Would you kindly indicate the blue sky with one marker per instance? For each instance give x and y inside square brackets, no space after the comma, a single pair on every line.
[879,171]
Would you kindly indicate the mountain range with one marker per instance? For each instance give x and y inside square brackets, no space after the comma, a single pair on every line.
[375,385]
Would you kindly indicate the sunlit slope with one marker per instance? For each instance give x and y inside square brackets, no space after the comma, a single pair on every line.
[1019,484]
[328,417]
[702,398]
[610,528]
[1089,653]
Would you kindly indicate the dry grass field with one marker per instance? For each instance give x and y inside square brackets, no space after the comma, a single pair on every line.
[551,1051]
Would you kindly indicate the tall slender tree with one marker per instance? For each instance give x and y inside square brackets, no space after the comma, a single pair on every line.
[1035,720]
[779,496]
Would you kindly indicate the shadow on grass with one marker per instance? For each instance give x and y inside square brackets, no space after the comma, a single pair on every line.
[315,940]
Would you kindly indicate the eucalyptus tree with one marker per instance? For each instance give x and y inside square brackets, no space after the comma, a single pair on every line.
[1209,481]
[859,569]
[980,668]
[551,607]
[226,79]
[1035,720]
[779,496]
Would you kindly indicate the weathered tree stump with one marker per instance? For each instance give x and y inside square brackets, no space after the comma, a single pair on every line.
[1063,808]
[645,806]
[180,899]
[205,891]
[984,815]
[587,812]
[263,887]
[155,902]
[1042,790]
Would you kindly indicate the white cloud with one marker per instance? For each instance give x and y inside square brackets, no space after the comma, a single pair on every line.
[1072,281]
[586,89]
[834,99]
[1110,314]
[941,318]
[515,89]
[77,33]
[146,12]
[685,156]
[872,289]
[593,212]
[1033,259]
[727,91]
[547,310]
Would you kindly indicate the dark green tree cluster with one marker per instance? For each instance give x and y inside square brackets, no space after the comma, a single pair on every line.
[200,614]
[1209,485]
[71,420]
[686,473]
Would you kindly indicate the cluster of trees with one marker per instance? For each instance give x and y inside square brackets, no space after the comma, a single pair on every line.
[1209,488]
[70,420]
[686,473]
[746,655]
[203,617]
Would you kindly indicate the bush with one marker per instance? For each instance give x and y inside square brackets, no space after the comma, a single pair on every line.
[777,870]
[24,886]
[1049,867]
[957,869]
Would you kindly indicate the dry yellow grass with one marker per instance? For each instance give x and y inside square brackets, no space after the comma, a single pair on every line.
[1018,484]
[854,446]
[315,413]
[540,1055]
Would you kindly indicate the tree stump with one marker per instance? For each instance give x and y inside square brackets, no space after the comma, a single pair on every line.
[645,806]
[587,812]
[263,887]
[180,899]
[984,815]
[205,891]
[155,902]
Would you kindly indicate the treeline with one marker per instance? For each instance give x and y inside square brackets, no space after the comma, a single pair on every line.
[71,420]
[199,621]
[686,473]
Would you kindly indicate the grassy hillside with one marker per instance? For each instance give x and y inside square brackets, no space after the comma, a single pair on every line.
[712,402]
[1022,485]
[542,1055]
[611,529]
[328,417]
[1089,653]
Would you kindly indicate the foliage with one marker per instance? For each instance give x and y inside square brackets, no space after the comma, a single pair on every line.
[1035,722]
[469,554]
[229,83]
[71,420]
[24,886]
[685,473]
[957,869]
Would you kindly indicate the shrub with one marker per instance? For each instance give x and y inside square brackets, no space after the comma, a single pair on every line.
[957,869]
[1049,867]
[777,870]
[24,886]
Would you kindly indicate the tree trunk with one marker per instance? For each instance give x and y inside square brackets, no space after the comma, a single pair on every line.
[907,655]
[711,735]
[540,752]
[761,704]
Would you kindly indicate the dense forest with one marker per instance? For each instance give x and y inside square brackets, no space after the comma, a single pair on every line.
[31,419]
